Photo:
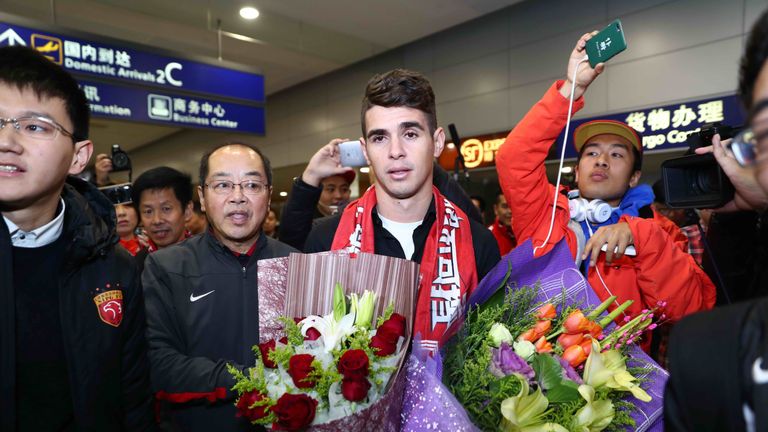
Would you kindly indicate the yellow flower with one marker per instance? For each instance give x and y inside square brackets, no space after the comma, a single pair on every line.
[522,413]
[595,415]
[609,369]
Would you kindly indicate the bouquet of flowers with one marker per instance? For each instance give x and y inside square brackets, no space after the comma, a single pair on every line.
[521,365]
[536,352]
[336,370]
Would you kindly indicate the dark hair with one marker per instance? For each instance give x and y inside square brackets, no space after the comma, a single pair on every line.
[753,60]
[637,165]
[499,193]
[480,200]
[196,207]
[162,178]
[207,156]
[26,69]
[400,88]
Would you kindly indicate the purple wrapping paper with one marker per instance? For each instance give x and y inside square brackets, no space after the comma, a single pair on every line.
[554,271]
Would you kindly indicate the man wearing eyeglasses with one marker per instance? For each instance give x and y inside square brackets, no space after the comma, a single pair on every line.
[202,301]
[72,345]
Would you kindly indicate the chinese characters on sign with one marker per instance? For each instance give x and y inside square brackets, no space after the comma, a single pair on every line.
[682,118]
[142,70]
[117,101]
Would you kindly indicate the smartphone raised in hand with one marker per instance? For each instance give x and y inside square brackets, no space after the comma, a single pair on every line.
[351,154]
[606,44]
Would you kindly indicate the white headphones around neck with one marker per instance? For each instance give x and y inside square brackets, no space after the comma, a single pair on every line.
[596,211]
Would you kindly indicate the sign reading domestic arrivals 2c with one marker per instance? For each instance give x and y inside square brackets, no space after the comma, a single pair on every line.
[104,60]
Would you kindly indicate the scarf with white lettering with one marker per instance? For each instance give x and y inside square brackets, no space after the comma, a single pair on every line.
[447,269]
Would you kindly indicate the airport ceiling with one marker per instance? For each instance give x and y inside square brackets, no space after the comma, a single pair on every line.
[290,42]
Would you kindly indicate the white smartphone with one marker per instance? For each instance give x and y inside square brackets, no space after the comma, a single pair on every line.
[351,154]
[629,251]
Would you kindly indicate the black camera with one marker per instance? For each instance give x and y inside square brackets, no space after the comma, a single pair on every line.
[697,181]
[120,159]
[118,194]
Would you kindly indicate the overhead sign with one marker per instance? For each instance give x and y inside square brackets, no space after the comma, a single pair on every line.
[660,128]
[146,105]
[668,126]
[96,59]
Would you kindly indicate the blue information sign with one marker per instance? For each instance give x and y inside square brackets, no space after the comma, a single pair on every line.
[96,59]
[668,126]
[137,104]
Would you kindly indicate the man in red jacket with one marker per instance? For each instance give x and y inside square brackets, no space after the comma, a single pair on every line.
[501,228]
[610,157]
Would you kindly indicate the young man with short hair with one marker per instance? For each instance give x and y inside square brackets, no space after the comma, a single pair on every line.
[403,215]
[73,352]
[610,159]
[202,294]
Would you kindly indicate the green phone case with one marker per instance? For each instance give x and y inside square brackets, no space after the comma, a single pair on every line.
[606,44]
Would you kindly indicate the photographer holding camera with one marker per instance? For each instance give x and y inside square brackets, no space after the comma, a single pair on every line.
[728,390]
[106,164]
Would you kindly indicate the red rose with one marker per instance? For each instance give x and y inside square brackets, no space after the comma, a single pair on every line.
[393,328]
[381,346]
[294,412]
[384,342]
[312,333]
[353,364]
[246,400]
[355,390]
[299,367]
[284,340]
[265,349]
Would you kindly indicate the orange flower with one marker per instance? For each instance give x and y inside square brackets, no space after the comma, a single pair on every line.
[576,323]
[528,335]
[546,312]
[543,346]
[574,355]
[542,327]
[567,340]
[586,345]
[595,330]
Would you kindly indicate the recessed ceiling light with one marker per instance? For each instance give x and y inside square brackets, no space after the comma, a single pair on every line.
[249,13]
[365,170]
[566,170]
[283,194]
[451,145]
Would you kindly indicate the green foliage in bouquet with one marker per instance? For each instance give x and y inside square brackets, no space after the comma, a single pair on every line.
[553,401]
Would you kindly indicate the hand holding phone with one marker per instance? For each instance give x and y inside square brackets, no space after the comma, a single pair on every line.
[606,44]
[351,154]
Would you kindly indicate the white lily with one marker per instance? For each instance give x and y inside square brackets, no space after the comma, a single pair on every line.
[332,332]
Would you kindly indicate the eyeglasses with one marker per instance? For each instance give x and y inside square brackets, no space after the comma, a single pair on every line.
[37,128]
[226,187]
[744,146]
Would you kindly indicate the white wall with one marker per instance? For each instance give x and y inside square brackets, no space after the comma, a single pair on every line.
[488,72]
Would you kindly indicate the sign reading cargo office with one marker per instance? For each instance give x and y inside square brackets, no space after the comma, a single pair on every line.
[660,128]
[122,82]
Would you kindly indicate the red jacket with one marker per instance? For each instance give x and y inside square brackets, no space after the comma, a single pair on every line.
[504,237]
[661,271]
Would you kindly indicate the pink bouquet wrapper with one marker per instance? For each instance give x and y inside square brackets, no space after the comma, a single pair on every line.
[303,284]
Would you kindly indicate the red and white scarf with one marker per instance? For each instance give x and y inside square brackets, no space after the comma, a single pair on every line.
[447,271]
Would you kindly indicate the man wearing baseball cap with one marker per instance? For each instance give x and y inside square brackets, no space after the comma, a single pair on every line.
[335,194]
[617,207]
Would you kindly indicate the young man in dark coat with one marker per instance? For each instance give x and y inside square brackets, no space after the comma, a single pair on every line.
[72,345]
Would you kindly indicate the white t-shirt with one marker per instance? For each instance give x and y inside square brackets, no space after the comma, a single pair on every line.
[403,232]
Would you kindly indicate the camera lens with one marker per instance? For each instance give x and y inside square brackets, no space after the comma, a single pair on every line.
[706,181]
[120,159]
